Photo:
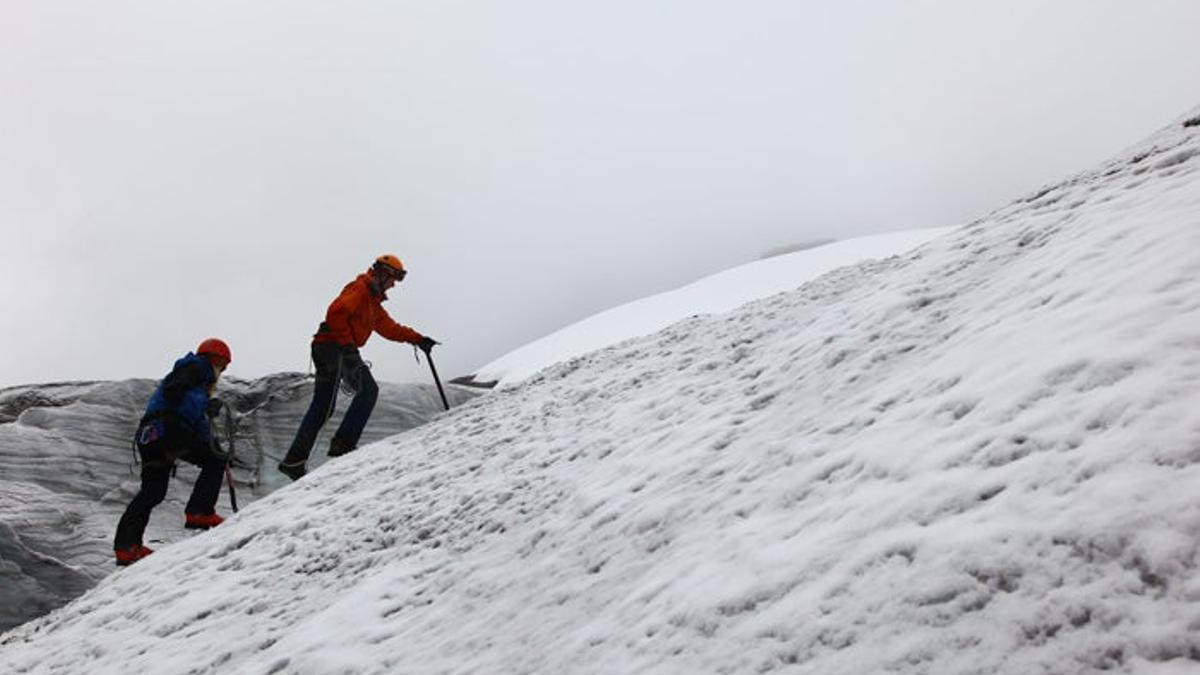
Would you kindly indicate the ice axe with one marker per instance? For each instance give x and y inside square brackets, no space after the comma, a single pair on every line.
[428,349]
[213,411]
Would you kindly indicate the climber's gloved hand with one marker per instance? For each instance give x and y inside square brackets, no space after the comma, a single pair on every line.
[214,407]
[426,344]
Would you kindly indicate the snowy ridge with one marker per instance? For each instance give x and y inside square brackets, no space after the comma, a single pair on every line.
[976,458]
[719,292]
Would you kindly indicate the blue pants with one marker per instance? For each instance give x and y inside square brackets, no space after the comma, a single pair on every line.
[335,364]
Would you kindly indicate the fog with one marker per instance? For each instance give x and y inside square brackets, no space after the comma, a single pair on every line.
[175,170]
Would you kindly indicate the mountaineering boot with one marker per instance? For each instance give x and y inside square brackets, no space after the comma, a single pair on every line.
[201,521]
[339,447]
[293,470]
[128,556]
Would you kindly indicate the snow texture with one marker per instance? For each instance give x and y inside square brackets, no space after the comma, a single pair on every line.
[67,472]
[980,457]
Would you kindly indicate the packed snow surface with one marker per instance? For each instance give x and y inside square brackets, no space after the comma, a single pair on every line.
[980,457]
[716,293]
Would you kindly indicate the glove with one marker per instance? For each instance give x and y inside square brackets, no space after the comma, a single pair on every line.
[214,407]
[215,449]
[426,343]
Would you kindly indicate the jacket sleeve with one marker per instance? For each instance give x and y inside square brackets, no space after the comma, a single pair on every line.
[385,326]
[337,317]
[180,382]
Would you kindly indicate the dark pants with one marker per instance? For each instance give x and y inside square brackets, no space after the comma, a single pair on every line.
[158,461]
[335,364]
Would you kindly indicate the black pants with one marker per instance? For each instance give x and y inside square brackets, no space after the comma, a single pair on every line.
[335,364]
[158,461]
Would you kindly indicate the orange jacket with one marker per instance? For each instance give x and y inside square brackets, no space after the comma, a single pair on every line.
[356,312]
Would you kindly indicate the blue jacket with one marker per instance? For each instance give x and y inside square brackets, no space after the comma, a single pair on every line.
[183,395]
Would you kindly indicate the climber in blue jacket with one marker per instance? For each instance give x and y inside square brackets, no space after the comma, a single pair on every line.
[175,426]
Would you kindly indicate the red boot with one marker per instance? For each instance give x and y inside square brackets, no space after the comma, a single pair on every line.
[201,521]
[128,556]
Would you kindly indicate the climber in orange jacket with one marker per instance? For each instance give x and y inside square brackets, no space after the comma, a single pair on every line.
[351,318]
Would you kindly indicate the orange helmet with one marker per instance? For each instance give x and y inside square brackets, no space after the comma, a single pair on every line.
[214,347]
[390,265]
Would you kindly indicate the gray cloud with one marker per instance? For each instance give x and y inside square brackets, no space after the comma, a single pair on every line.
[174,170]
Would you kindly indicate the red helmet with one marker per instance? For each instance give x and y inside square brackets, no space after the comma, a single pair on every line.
[215,347]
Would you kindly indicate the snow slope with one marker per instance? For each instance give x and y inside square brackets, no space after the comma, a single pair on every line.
[67,473]
[713,294]
[980,457]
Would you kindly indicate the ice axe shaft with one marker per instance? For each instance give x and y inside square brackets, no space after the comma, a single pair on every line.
[437,380]
[232,492]
[213,410]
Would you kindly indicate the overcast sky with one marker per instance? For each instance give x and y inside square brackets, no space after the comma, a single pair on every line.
[174,170]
